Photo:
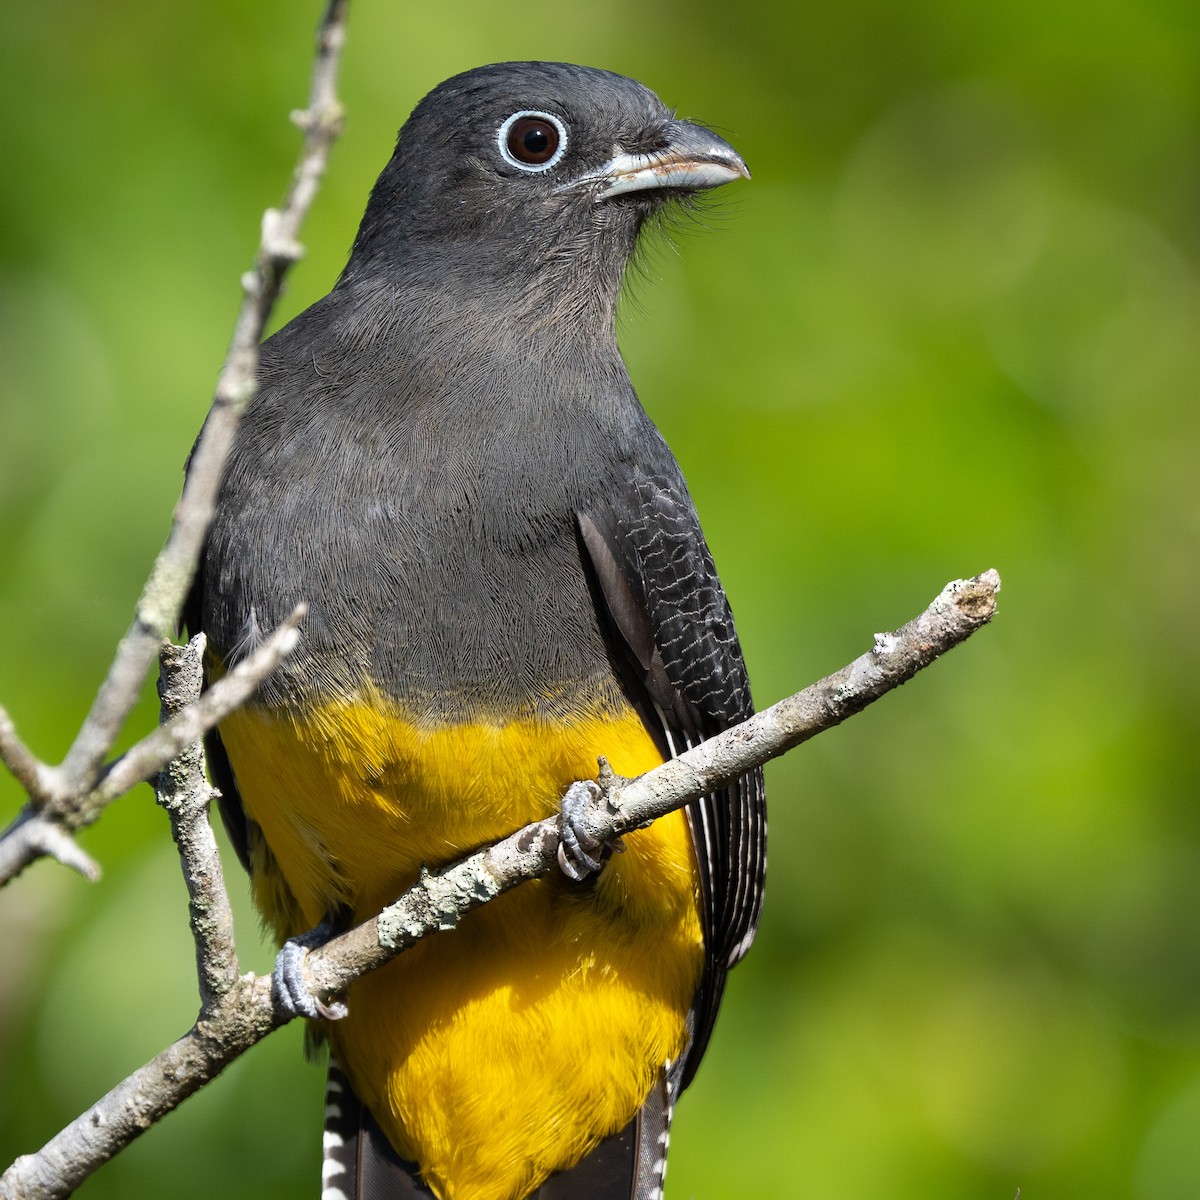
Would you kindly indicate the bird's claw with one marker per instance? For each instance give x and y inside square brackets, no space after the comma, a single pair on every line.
[289,986]
[579,853]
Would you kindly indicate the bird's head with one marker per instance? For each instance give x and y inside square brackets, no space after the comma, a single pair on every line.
[534,177]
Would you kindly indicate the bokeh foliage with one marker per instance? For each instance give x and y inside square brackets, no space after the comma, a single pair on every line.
[951,324]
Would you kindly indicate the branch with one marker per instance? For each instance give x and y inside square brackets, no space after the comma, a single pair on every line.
[19,759]
[187,725]
[34,835]
[98,1134]
[37,831]
[141,1100]
[67,797]
[186,795]
[438,901]
[246,1012]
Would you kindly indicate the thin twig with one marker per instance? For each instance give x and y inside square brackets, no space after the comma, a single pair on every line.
[39,832]
[19,759]
[438,901]
[34,835]
[186,796]
[149,756]
[68,795]
[170,579]
[146,1096]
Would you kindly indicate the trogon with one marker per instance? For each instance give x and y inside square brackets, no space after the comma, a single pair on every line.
[505,579]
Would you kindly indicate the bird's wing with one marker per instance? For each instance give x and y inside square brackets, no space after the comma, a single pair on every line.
[674,639]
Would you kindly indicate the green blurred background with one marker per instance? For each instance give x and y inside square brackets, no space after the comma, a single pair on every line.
[951,324]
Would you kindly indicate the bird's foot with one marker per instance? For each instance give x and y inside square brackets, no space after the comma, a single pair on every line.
[289,986]
[580,853]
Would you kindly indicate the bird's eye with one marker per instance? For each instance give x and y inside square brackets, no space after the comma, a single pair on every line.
[533,141]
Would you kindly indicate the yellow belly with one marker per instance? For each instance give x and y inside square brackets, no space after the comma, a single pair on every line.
[505,1049]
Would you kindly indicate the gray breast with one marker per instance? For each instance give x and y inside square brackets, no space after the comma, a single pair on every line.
[439,556]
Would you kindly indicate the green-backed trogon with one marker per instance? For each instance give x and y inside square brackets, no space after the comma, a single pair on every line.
[505,579]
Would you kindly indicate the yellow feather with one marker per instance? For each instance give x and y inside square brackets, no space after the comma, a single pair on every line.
[501,1051]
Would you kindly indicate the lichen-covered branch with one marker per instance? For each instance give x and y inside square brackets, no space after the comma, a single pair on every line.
[184,793]
[438,900]
[245,1012]
[243,1018]
[72,795]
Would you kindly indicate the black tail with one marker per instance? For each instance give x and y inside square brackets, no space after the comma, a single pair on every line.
[360,1164]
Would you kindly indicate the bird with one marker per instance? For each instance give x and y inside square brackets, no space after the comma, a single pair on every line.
[505,580]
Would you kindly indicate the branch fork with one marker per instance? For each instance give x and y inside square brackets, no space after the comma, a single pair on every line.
[63,799]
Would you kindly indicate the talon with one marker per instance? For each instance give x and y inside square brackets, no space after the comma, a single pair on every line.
[579,854]
[289,987]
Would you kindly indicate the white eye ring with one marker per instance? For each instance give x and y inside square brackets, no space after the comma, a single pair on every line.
[533,168]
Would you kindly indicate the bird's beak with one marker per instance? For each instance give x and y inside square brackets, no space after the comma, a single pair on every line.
[692,159]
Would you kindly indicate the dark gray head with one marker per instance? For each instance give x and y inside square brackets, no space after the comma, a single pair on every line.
[532,176]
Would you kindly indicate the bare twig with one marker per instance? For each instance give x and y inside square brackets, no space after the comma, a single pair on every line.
[246,1012]
[150,755]
[47,832]
[35,835]
[19,759]
[38,832]
[97,1135]
[185,794]
[167,588]
[68,795]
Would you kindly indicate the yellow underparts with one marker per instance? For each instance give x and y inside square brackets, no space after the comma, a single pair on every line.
[505,1049]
